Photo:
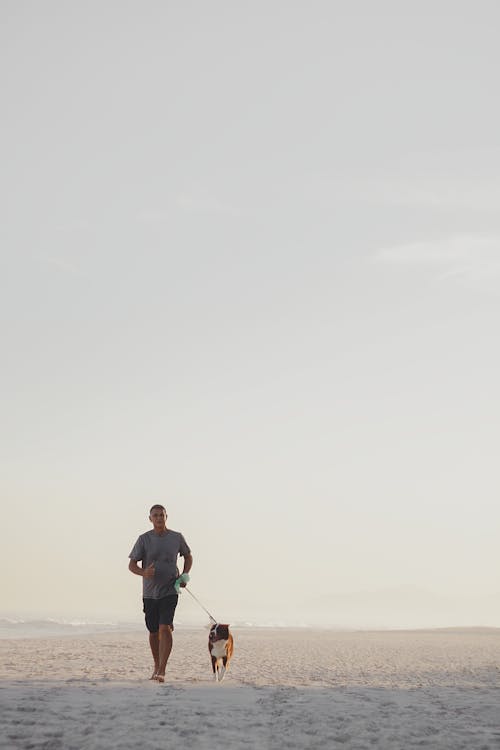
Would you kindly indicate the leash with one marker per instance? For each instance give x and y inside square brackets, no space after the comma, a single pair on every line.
[184,578]
[201,605]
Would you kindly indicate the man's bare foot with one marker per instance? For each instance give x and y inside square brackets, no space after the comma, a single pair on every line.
[154,676]
[160,677]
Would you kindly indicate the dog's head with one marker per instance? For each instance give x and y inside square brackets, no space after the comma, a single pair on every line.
[219,632]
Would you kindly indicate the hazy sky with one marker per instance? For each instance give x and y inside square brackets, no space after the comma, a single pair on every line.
[250,268]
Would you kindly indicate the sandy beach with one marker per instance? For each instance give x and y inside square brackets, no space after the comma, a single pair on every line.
[286,688]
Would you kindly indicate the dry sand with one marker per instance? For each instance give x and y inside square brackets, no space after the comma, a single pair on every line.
[285,689]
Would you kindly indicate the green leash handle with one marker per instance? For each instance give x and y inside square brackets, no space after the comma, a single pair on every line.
[183,578]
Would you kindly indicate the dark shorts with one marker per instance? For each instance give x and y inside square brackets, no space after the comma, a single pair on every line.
[160,612]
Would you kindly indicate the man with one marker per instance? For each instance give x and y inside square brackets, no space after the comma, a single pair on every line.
[157,551]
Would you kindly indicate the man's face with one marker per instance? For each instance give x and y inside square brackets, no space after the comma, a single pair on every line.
[158,518]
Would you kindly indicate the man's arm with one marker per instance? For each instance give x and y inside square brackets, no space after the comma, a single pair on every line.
[144,572]
[188,563]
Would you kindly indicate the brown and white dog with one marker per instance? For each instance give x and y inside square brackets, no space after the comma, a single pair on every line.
[220,646]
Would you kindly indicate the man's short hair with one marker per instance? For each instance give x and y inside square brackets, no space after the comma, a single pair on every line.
[157,507]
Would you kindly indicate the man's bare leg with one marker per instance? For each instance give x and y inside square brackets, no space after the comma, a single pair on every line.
[154,642]
[165,647]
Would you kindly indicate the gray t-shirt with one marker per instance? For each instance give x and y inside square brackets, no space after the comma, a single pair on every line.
[162,550]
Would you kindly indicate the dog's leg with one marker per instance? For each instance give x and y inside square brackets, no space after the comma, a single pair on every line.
[224,667]
[214,667]
[217,674]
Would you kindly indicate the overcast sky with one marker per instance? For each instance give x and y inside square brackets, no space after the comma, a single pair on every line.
[250,269]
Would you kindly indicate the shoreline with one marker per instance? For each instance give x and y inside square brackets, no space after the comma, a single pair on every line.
[141,632]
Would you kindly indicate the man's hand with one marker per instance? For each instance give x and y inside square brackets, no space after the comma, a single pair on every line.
[149,571]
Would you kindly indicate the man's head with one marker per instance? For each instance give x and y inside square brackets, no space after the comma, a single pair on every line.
[158,517]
